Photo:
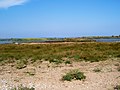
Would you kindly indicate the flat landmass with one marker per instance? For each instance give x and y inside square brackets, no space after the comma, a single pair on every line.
[43,66]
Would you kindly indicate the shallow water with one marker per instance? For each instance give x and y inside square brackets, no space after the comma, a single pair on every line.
[6,42]
[98,40]
[108,40]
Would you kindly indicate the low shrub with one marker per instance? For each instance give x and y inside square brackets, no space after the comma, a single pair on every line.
[68,62]
[118,68]
[97,70]
[74,74]
[21,64]
[117,64]
[117,87]
[31,73]
[56,61]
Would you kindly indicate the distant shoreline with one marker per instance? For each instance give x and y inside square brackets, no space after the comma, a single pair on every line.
[58,40]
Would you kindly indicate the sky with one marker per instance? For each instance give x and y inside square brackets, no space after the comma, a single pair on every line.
[59,18]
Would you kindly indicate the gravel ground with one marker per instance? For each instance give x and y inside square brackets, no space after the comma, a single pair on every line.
[46,76]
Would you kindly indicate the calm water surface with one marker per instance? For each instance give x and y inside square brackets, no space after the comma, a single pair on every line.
[6,42]
[108,40]
[98,40]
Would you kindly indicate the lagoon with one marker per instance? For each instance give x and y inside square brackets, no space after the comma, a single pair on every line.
[6,42]
[108,40]
[39,41]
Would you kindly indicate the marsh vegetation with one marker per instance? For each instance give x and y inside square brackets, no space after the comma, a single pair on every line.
[21,55]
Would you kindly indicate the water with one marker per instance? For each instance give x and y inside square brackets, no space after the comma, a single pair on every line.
[6,42]
[10,42]
[38,41]
[108,40]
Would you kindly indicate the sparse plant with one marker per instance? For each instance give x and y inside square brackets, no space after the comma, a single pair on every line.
[56,61]
[23,88]
[76,57]
[118,55]
[74,74]
[21,64]
[97,70]
[117,87]
[118,68]
[117,64]
[68,62]
[30,73]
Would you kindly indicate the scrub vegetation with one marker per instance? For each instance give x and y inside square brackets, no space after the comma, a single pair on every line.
[23,54]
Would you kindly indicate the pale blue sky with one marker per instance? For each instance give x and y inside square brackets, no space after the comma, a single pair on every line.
[59,18]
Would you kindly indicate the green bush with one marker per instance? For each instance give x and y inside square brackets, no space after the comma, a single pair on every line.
[74,74]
